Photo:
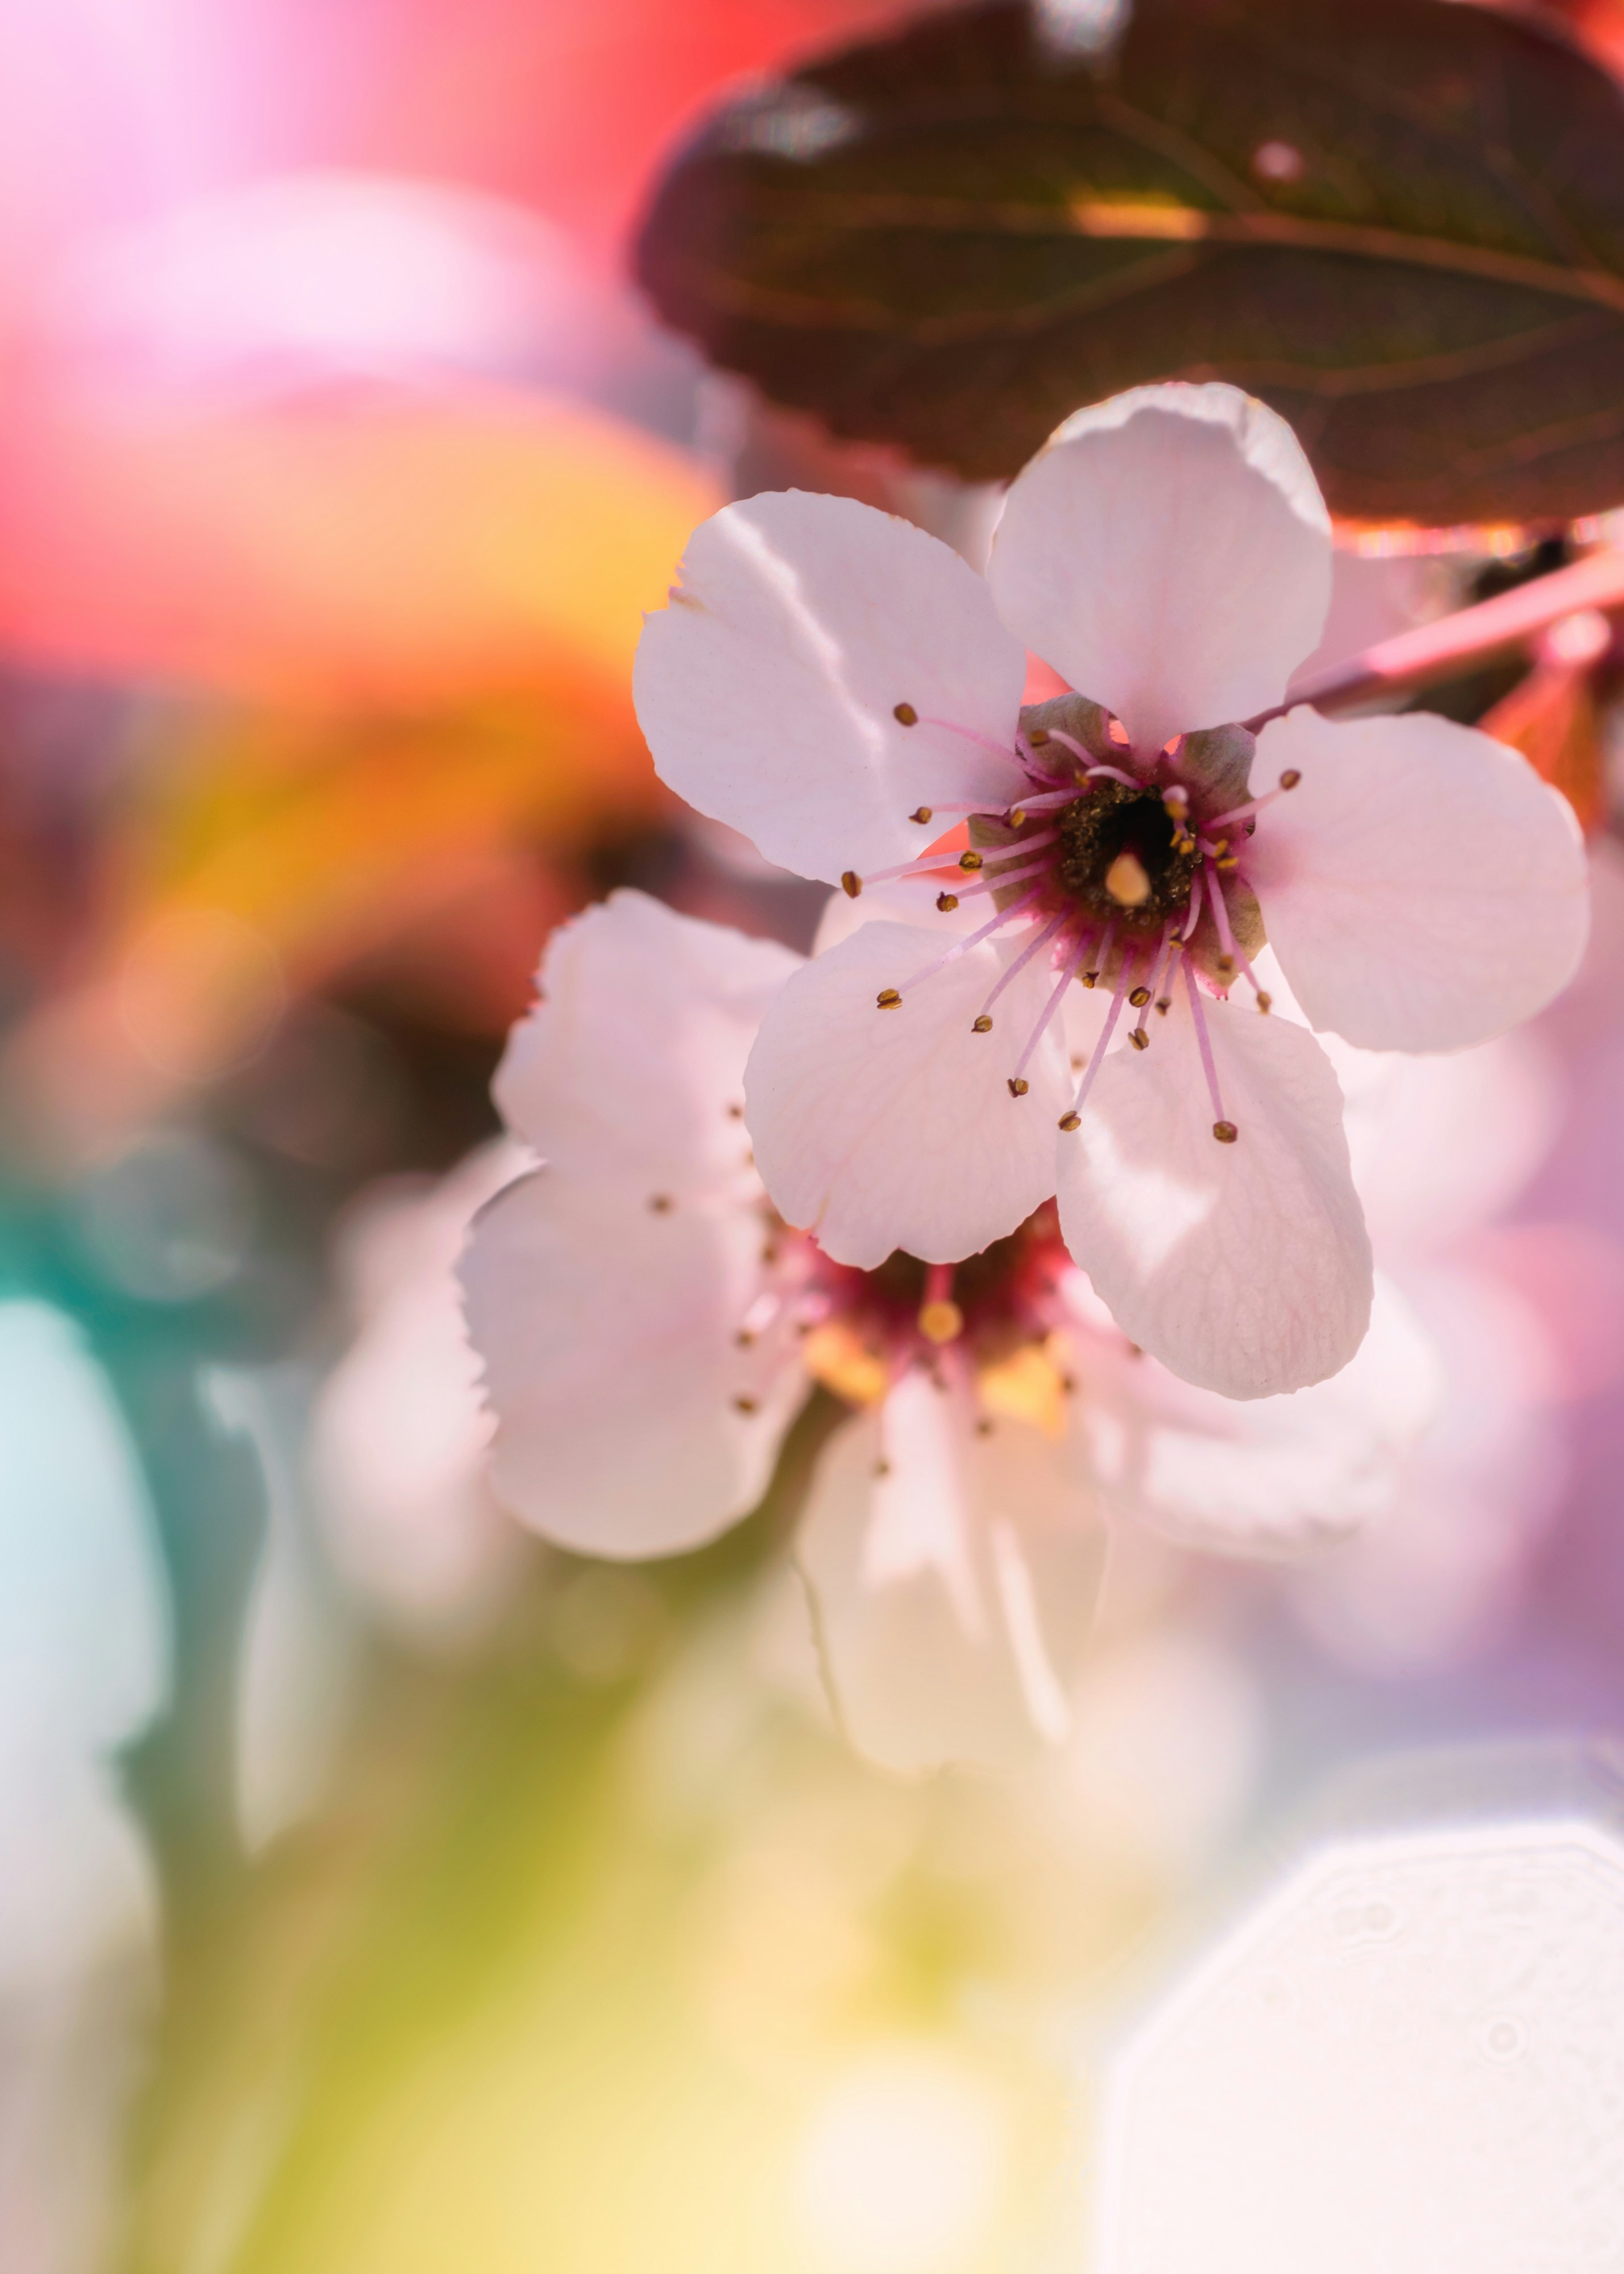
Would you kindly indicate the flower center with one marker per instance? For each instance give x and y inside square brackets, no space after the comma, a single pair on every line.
[1121,854]
[1129,866]
[987,1324]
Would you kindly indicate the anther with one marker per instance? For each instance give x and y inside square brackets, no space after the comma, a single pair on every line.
[1091,978]
[1139,996]
[906,715]
[983,1427]
[744,1337]
[746,1404]
[889,998]
[922,813]
[1018,816]
[947,902]
[1126,882]
[1139,1039]
[1228,861]
[969,859]
[1164,1003]
[981,1026]
[881,1468]
[661,1203]
[1038,737]
[1290,778]
[735,1113]
[1265,1002]
[1224,964]
[1018,1088]
[851,883]
[1070,1121]
[941,1321]
[1225,1131]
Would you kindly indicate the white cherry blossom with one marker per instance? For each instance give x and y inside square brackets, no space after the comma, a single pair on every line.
[847,691]
[649,1328]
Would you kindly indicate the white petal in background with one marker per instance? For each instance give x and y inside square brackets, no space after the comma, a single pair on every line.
[1271,1477]
[609,1331]
[1170,555]
[1244,1267]
[878,1129]
[632,1063]
[1422,887]
[399,1433]
[953,1580]
[83,1654]
[768,688]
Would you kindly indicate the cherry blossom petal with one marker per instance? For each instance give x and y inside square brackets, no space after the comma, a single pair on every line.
[1245,1268]
[1271,1477]
[878,1129]
[1169,554]
[608,1333]
[768,688]
[1422,887]
[953,1578]
[631,1063]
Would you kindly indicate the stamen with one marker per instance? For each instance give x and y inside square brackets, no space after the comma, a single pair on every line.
[1103,956]
[1116,773]
[1224,1129]
[1162,967]
[947,902]
[1194,916]
[960,947]
[1232,953]
[888,999]
[922,813]
[1070,1121]
[906,715]
[970,734]
[1032,948]
[1049,1009]
[996,879]
[851,883]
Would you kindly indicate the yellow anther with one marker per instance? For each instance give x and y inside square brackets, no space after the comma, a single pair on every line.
[1126,882]
[1018,816]
[941,1321]
[1139,996]
[1224,964]
[922,813]
[1225,1131]
[887,999]
[1139,1039]
[746,1404]
[1091,978]
[1164,1003]
[851,883]
[1070,1121]
[1018,1088]
[1228,861]
[1290,778]
[947,902]
[661,1203]
[981,1025]
[1038,737]
[1265,1002]
[969,859]
[906,715]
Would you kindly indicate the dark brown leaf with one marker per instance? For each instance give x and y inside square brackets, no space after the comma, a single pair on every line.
[1401,221]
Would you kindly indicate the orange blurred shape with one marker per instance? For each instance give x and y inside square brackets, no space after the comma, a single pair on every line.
[372,546]
[1550,716]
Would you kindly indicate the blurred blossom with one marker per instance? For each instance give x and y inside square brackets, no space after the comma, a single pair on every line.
[1406,2056]
[399,1433]
[83,1657]
[901,2165]
[170,1219]
[649,1328]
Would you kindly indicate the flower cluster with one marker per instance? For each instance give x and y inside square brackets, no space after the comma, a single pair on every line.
[1057,1203]
[650,1327]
